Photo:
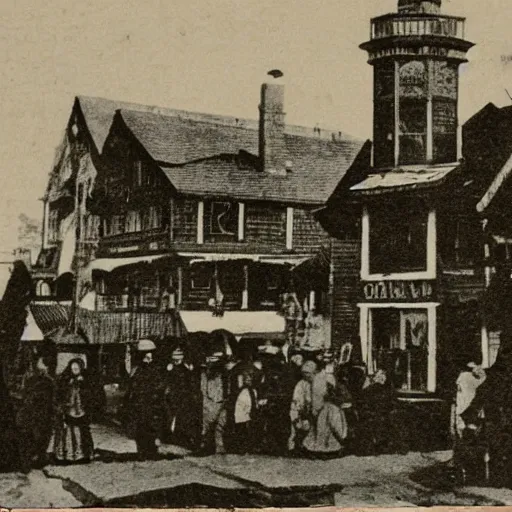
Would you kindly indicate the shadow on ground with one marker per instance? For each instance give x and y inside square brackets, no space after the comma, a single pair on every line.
[110,457]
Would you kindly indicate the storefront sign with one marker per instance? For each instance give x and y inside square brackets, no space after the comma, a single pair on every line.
[405,291]
[120,250]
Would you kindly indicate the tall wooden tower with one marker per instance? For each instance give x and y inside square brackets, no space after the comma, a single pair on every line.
[416,53]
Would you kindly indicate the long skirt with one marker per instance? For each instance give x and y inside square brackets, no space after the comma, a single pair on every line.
[73,441]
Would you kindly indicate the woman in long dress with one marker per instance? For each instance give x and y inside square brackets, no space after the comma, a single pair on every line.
[73,441]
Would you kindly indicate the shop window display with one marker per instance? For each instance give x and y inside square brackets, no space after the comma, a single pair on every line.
[399,344]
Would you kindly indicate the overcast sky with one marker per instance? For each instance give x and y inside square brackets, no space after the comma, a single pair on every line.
[201,55]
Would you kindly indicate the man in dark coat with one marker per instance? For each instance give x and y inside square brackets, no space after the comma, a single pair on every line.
[179,399]
[145,402]
[275,399]
[376,429]
[35,416]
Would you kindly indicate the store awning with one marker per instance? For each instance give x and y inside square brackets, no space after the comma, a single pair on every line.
[400,179]
[269,259]
[31,332]
[50,315]
[109,264]
[239,323]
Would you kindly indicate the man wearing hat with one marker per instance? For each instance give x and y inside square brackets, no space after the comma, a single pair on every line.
[301,410]
[35,415]
[214,387]
[179,399]
[145,401]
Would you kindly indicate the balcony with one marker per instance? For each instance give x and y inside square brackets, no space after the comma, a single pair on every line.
[414,26]
[121,302]
[112,302]
[133,243]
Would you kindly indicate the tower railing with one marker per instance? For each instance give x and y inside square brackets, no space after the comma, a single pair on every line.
[399,25]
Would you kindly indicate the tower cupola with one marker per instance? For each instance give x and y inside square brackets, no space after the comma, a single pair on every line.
[416,53]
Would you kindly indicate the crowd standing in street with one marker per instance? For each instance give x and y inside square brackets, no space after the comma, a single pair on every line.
[254,398]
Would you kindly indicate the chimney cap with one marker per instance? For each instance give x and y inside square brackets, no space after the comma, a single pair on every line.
[275,73]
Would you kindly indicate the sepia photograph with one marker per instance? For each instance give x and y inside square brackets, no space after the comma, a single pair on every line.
[255,254]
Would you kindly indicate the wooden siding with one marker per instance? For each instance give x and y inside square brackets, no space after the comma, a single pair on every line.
[184,219]
[308,235]
[265,224]
[346,261]
[265,230]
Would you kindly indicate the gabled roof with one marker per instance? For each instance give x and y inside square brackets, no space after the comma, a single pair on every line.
[99,113]
[492,131]
[200,154]
[196,141]
[310,181]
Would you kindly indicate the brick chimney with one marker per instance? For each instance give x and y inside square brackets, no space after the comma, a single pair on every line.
[271,136]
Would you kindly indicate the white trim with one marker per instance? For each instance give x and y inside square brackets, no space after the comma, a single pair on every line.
[200,222]
[312,299]
[245,291]
[180,286]
[430,273]
[46,222]
[365,243]
[398,305]
[365,334]
[241,221]
[432,348]
[289,228]
[496,184]
[396,133]
[485,346]
[364,331]
[430,133]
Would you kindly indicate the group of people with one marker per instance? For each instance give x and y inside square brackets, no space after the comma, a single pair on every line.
[269,399]
[55,413]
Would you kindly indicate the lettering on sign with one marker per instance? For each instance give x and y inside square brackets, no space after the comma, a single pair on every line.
[399,291]
[131,248]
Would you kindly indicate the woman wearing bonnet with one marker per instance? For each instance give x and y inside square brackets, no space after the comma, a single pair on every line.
[73,440]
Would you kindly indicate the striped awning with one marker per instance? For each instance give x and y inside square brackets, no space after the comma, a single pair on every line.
[50,316]
[105,327]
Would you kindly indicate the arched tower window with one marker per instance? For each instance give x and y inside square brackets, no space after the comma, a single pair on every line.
[43,289]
